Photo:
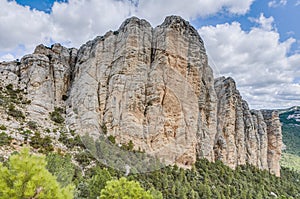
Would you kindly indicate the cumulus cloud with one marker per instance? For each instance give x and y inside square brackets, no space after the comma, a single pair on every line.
[276,3]
[257,60]
[265,23]
[21,26]
[156,10]
[74,22]
[78,21]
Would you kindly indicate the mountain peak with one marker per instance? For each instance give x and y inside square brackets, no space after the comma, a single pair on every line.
[150,89]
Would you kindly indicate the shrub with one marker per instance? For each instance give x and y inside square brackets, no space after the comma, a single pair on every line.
[2,127]
[5,139]
[56,115]
[32,125]
[12,111]
[124,189]
[43,144]
[129,146]
[71,142]
[62,167]
[112,139]
[26,176]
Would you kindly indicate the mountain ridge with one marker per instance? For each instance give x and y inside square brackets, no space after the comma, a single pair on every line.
[149,86]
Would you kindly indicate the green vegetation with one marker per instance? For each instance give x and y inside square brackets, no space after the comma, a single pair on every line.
[3,127]
[290,133]
[70,141]
[204,180]
[93,180]
[44,144]
[98,181]
[112,139]
[291,138]
[122,189]
[290,161]
[32,125]
[215,180]
[26,134]
[56,115]
[26,176]
[129,146]
[62,167]
[9,95]
[4,139]
[14,112]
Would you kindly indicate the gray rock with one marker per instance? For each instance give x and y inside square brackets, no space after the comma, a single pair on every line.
[151,86]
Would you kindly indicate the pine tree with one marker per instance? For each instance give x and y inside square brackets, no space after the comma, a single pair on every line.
[98,182]
[26,176]
[123,189]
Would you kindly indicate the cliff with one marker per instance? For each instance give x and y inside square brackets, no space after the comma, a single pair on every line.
[149,86]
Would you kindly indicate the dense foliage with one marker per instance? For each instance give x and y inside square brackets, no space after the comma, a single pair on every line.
[26,176]
[290,133]
[215,180]
[290,161]
[204,180]
[123,189]
[291,138]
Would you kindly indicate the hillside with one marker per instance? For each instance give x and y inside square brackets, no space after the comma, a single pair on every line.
[205,180]
[142,102]
[290,120]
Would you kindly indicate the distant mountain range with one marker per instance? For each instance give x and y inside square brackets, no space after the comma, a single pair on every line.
[290,115]
[290,120]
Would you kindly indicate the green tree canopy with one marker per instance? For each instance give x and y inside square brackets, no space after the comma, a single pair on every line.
[123,189]
[25,177]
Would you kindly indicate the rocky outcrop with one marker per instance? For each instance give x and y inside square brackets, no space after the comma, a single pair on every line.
[274,140]
[245,135]
[142,83]
[45,77]
[152,87]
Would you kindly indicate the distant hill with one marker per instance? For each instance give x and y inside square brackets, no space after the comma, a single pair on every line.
[290,119]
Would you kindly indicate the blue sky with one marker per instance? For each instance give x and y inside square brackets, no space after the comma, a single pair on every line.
[42,5]
[257,42]
[286,18]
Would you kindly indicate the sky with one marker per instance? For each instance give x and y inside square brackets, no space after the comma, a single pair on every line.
[257,42]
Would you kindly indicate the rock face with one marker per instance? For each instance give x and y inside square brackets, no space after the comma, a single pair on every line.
[274,140]
[245,135]
[151,86]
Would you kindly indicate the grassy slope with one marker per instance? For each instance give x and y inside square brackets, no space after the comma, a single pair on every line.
[291,138]
[290,161]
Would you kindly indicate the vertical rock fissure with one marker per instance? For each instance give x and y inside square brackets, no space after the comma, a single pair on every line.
[156,94]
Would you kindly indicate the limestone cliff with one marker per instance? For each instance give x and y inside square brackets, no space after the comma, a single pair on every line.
[151,86]
[245,135]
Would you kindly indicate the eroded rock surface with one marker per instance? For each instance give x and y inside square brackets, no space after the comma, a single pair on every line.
[151,86]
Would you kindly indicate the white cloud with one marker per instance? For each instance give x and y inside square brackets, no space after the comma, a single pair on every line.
[156,10]
[78,21]
[21,26]
[257,60]
[276,3]
[265,23]
[74,22]
[7,57]
[297,3]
